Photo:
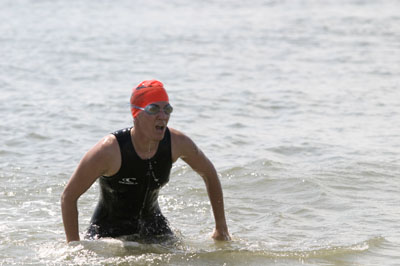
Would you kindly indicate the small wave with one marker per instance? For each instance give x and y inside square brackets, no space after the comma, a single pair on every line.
[259,165]
[322,252]
[291,150]
[112,251]
[108,251]
[37,136]
[9,152]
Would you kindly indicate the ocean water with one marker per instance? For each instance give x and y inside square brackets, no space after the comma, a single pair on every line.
[297,104]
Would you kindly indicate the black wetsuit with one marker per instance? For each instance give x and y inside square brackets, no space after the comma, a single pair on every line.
[128,202]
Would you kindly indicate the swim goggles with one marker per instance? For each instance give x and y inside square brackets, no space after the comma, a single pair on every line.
[153,109]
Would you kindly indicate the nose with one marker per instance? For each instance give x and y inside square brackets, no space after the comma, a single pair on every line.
[163,115]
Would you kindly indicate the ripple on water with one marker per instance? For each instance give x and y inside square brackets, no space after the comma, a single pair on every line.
[237,252]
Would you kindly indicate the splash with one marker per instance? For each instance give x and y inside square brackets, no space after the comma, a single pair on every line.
[237,252]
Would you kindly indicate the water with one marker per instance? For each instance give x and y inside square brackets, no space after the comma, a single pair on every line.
[296,103]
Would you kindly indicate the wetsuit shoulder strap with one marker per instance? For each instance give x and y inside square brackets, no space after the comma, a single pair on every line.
[123,137]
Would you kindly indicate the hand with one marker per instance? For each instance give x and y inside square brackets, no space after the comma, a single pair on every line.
[221,235]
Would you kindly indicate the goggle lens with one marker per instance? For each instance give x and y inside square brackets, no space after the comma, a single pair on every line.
[153,109]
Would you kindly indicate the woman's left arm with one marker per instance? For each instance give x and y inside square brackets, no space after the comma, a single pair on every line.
[199,162]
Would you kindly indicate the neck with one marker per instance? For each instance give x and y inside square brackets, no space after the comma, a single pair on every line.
[144,147]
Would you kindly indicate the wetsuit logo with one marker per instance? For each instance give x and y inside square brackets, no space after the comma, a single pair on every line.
[128,181]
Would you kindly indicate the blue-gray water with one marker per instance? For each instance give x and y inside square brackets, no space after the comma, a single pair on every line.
[297,103]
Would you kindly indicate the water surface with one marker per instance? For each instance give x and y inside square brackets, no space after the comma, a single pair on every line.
[295,102]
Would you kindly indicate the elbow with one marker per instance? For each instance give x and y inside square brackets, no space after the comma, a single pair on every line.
[67,199]
[63,199]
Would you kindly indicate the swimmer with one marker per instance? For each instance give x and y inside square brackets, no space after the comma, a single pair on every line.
[132,165]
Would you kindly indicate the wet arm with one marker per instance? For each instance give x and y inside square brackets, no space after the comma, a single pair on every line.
[95,163]
[203,166]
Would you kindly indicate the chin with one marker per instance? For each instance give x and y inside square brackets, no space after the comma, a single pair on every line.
[159,135]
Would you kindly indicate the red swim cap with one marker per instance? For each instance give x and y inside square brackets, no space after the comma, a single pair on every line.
[147,92]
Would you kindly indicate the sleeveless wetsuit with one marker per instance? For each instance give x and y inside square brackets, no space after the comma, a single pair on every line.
[128,203]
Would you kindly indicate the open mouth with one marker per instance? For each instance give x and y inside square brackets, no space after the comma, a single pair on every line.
[160,128]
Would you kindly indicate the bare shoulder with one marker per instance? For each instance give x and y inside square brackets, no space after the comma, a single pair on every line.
[182,145]
[101,159]
[178,136]
[105,154]
[109,143]
[107,146]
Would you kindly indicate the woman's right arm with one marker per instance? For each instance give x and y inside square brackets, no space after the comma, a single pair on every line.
[103,159]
